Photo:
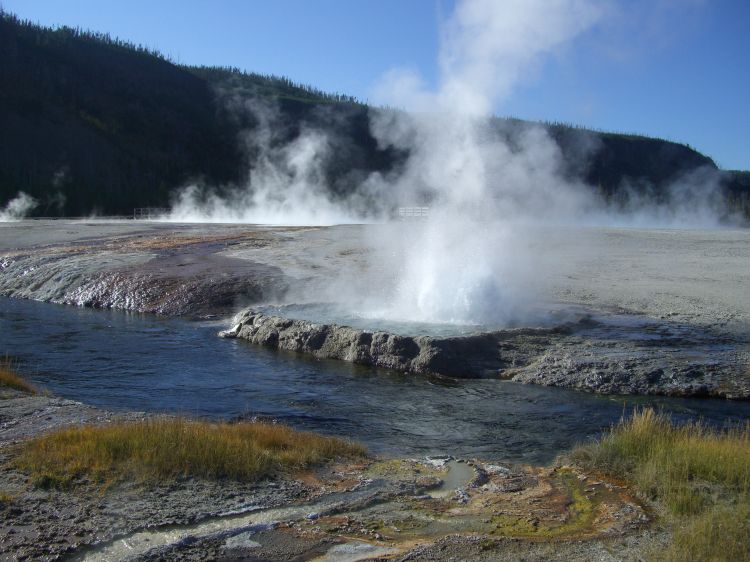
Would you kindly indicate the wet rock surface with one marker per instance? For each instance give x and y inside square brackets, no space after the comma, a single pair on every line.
[586,355]
[406,509]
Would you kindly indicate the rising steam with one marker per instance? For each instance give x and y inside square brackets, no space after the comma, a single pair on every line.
[491,186]
[468,263]
[17,208]
[287,183]
[694,199]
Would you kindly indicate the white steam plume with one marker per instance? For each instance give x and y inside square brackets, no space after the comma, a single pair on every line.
[694,199]
[287,183]
[18,207]
[468,263]
[492,186]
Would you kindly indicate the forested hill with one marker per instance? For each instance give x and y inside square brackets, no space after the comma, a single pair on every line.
[89,124]
[103,123]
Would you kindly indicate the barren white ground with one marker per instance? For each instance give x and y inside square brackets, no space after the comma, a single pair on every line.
[690,276]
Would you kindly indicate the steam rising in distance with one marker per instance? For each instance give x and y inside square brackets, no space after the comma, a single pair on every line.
[17,208]
[287,183]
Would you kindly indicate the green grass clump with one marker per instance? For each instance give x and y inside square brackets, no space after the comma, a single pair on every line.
[10,379]
[689,467]
[701,475]
[168,448]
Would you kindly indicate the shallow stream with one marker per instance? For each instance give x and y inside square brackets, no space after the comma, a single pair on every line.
[127,361]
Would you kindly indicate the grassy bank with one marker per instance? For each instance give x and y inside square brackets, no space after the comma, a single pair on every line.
[10,379]
[700,475]
[168,448]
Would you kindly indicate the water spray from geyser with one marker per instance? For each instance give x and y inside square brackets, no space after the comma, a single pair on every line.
[473,261]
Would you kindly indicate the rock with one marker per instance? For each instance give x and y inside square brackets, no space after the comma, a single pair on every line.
[472,356]
[564,356]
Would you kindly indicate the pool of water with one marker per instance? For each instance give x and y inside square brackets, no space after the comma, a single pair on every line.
[127,361]
[331,313]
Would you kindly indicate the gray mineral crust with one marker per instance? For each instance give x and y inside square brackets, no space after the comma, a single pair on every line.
[562,356]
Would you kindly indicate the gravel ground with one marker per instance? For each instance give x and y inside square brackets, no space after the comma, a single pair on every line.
[403,509]
[40,524]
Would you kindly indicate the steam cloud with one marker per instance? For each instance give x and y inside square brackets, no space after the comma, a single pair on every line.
[17,208]
[468,264]
[287,184]
[693,200]
[491,189]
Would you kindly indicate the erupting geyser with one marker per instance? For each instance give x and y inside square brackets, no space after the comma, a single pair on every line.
[469,264]
[493,187]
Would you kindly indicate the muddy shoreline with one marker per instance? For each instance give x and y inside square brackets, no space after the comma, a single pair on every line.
[404,509]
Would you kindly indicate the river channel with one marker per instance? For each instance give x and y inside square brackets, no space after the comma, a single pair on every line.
[127,361]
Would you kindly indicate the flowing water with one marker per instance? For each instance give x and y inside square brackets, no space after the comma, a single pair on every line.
[239,529]
[127,361]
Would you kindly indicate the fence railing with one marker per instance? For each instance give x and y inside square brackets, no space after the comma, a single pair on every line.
[413,213]
[148,213]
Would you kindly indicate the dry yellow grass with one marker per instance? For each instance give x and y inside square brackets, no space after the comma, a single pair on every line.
[168,448]
[721,533]
[5,500]
[10,379]
[701,475]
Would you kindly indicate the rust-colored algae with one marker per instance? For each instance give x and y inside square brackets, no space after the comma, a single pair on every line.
[535,504]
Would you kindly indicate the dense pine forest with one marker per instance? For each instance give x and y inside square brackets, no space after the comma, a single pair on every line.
[91,124]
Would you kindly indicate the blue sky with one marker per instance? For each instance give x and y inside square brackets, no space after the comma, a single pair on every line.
[676,69]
